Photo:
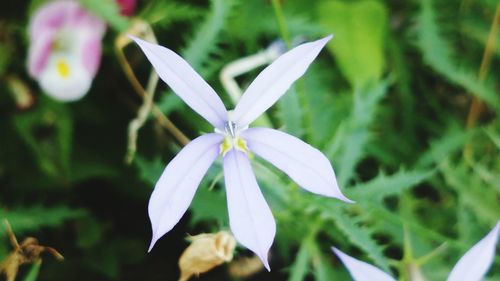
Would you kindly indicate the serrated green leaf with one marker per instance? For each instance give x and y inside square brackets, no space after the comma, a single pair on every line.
[203,44]
[347,146]
[162,13]
[205,40]
[451,141]
[383,186]
[438,54]
[361,237]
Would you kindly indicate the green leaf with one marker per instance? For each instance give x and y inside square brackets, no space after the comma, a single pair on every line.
[450,142]
[361,237]
[34,218]
[438,54]
[299,268]
[205,40]
[169,103]
[108,10]
[202,45]
[494,136]
[359,28]
[348,145]
[208,205]
[5,57]
[290,112]
[163,13]
[383,186]
[47,130]
[149,170]
[33,272]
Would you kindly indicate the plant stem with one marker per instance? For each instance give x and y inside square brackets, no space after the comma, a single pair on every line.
[477,106]
[278,13]
[147,106]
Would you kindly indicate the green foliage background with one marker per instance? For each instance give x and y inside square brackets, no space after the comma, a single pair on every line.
[387,101]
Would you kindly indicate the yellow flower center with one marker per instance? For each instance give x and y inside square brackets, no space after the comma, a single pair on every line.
[62,68]
[230,143]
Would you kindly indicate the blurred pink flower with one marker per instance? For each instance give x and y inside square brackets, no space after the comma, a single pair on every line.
[65,49]
[127,7]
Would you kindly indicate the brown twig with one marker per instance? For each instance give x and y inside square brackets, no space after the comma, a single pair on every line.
[477,106]
[142,29]
[29,251]
[12,236]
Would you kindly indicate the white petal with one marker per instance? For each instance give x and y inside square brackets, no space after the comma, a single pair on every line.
[185,82]
[306,165]
[275,80]
[360,270]
[65,77]
[250,218]
[476,262]
[177,185]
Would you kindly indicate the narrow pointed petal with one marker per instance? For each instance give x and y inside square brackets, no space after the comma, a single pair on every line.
[250,218]
[476,262]
[185,82]
[176,187]
[306,165]
[360,270]
[275,80]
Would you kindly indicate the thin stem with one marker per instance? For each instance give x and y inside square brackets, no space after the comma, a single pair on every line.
[278,13]
[439,250]
[12,236]
[147,95]
[477,106]
[55,253]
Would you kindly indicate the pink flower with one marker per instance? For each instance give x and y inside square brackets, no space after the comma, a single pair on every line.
[127,7]
[65,49]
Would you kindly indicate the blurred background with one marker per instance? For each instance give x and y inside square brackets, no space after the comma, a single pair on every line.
[404,101]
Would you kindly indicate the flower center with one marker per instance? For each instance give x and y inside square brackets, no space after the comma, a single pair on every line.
[62,68]
[232,140]
[230,128]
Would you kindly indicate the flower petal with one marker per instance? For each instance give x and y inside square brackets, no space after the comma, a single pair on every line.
[50,17]
[250,218]
[360,270]
[306,165]
[57,15]
[177,185]
[91,54]
[476,262]
[275,80]
[185,82]
[64,77]
[39,53]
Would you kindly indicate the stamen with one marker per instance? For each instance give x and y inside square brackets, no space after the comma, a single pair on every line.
[230,128]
